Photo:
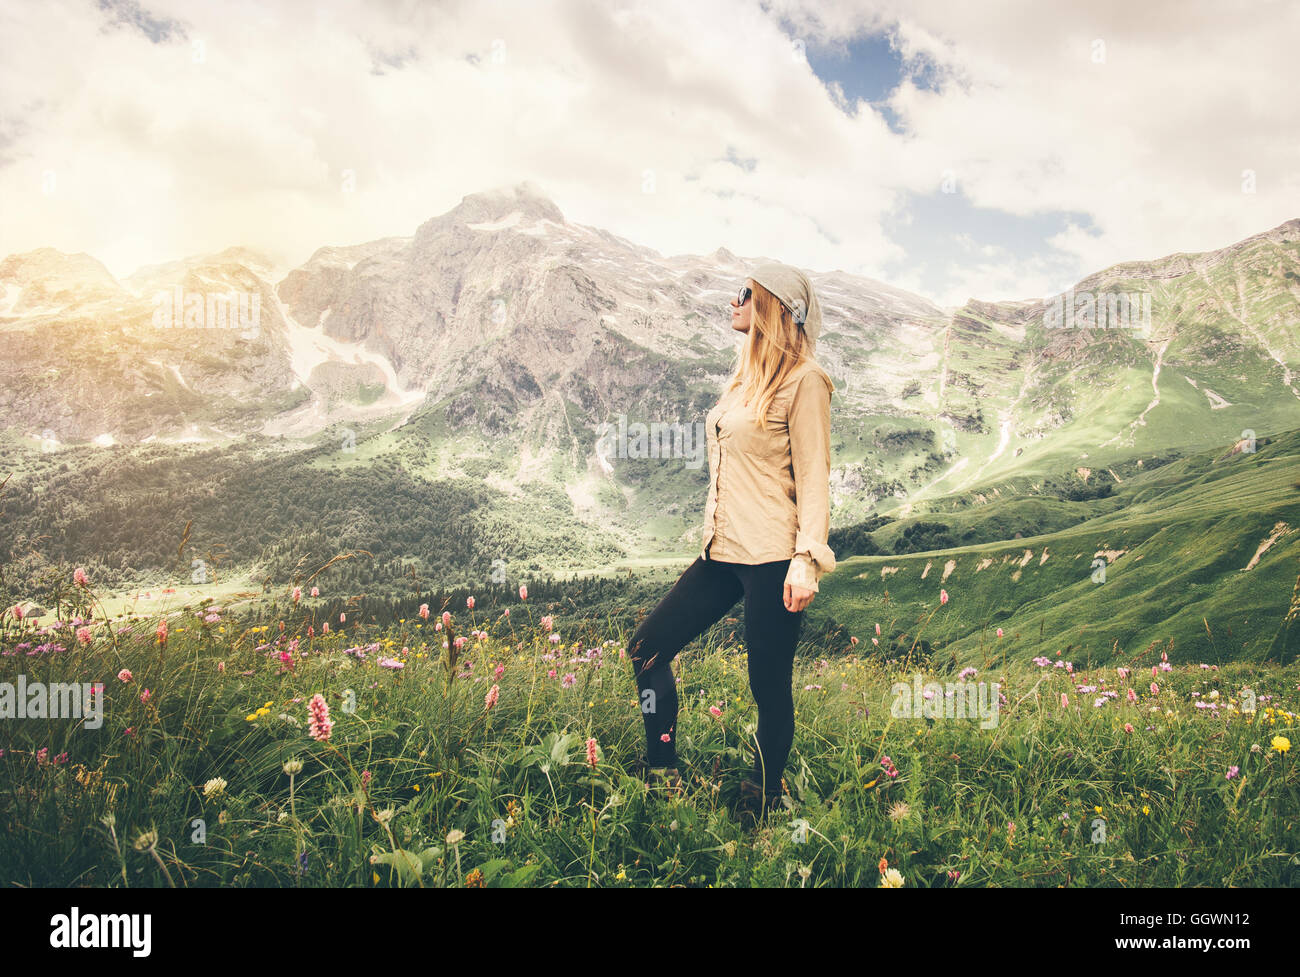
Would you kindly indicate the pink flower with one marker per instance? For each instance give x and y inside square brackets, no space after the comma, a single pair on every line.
[221,666]
[1132,695]
[1232,772]
[568,680]
[343,618]
[523,591]
[715,710]
[325,627]
[315,591]
[1155,689]
[1122,671]
[469,602]
[499,671]
[446,619]
[124,675]
[665,738]
[79,577]
[547,623]
[424,611]
[551,673]
[130,731]
[490,699]
[83,635]
[18,612]
[853,641]
[943,596]
[145,695]
[162,631]
[365,777]
[319,725]
[875,642]
[591,752]
[1065,700]
[999,635]
[877,629]
[297,594]
[41,754]
[1128,727]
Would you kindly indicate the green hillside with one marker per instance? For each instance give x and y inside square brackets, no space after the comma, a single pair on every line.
[1177,542]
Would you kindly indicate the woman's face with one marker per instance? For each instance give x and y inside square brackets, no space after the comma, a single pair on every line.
[742,317]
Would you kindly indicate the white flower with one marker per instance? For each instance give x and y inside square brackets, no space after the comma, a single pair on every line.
[214,787]
[293,767]
[455,836]
[892,879]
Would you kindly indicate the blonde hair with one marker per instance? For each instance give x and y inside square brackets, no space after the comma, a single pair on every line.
[774,346]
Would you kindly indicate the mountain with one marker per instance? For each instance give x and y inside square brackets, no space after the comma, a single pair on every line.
[499,336]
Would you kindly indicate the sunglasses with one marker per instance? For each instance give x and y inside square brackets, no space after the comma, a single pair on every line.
[743,296]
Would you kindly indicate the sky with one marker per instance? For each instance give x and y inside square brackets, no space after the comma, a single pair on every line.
[991,150]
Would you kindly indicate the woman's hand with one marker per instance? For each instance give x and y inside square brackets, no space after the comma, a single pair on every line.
[796,598]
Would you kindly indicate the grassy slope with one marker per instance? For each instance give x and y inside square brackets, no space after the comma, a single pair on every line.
[1186,530]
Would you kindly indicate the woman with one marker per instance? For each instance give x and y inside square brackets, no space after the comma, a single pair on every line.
[765,528]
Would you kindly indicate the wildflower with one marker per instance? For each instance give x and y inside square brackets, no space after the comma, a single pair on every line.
[1065,700]
[591,752]
[1232,772]
[469,602]
[899,811]
[1132,695]
[884,866]
[343,618]
[392,663]
[499,671]
[83,635]
[523,592]
[955,874]
[1155,689]
[315,591]
[446,619]
[853,640]
[943,596]
[424,611]
[1280,743]
[161,632]
[890,769]
[1146,809]
[891,879]
[715,711]
[665,738]
[146,841]
[1255,748]
[1128,727]
[877,629]
[320,726]
[214,787]
[1123,672]
[145,695]
[221,666]
[962,675]
[455,836]
[568,680]
[124,675]
[999,635]
[490,699]
[297,594]
[293,767]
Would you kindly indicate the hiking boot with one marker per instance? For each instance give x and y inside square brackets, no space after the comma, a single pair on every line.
[667,778]
[753,805]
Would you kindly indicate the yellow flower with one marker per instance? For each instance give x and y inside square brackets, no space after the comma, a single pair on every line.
[621,874]
[250,717]
[1097,809]
[1145,809]
[1281,744]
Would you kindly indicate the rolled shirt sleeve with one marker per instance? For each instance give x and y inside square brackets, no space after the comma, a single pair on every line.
[809,422]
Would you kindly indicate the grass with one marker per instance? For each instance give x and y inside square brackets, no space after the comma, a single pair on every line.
[420,783]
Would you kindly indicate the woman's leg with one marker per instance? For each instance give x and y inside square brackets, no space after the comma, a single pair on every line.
[702,594]
[771,633]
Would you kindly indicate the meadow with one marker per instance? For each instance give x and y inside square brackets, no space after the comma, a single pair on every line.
[458,748]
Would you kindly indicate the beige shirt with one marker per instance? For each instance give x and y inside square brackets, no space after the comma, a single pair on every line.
[769,492]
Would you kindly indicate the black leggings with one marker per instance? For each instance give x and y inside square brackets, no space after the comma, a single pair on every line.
[701,596]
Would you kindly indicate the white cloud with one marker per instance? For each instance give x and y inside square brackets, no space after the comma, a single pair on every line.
[157,156]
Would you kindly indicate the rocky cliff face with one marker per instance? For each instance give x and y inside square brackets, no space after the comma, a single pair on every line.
[504,323]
